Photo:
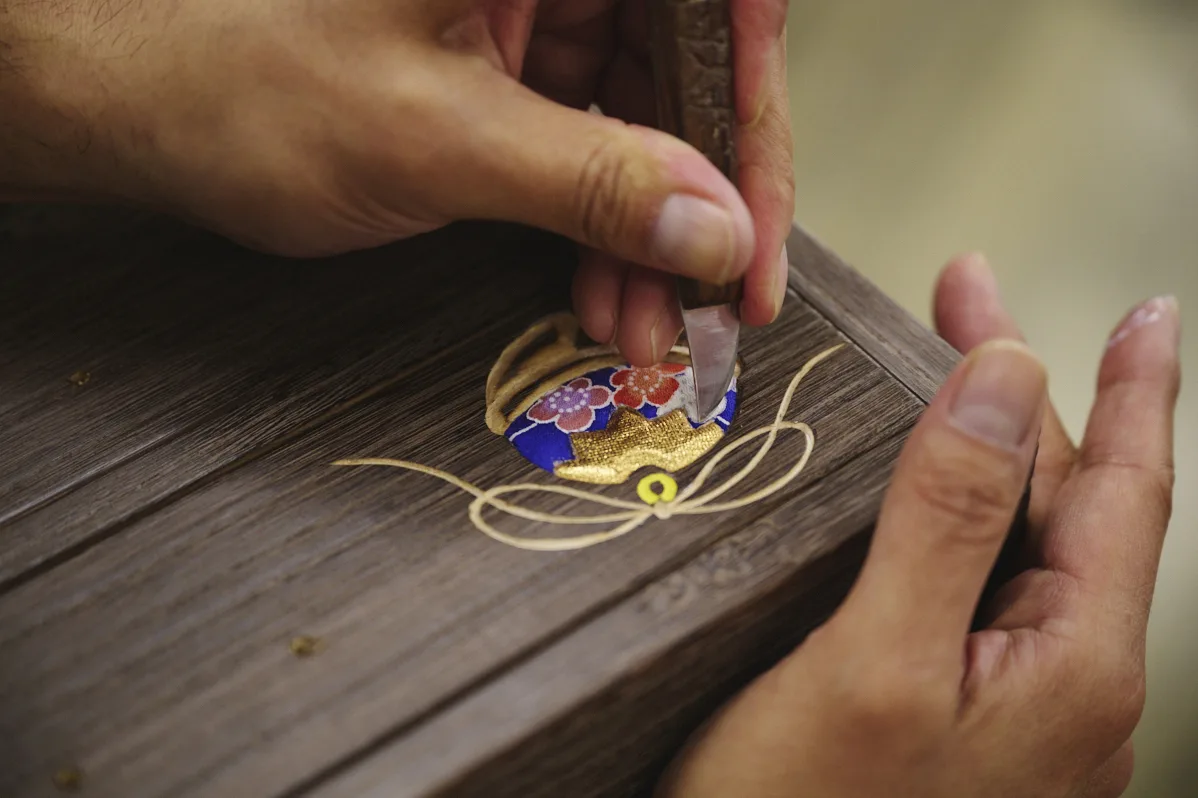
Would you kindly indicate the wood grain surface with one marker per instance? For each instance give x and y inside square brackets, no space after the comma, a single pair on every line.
[889,334]
[171,525]
[198,353]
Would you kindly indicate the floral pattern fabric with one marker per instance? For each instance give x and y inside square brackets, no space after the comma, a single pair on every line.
[542,433]
[571,407]
[654,385]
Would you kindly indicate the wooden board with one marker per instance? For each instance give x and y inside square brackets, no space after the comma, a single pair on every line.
[167,528]
[197,354]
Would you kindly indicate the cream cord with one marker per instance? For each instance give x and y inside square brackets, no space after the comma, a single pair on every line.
[630,514]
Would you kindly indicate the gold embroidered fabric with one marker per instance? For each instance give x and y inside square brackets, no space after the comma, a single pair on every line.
[632,442]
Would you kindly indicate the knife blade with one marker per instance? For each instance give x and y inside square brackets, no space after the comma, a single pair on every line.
[691,46]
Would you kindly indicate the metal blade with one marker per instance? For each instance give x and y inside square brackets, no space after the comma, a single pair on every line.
[712,334]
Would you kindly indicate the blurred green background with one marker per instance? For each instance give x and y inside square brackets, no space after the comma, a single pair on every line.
[1060,137]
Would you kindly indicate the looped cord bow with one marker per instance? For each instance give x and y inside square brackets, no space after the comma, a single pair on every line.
[629,515]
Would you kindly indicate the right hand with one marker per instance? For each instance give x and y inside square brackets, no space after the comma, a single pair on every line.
[312,128]
[894,696]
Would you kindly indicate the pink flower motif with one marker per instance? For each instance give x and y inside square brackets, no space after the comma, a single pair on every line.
[655,385]
[571,406]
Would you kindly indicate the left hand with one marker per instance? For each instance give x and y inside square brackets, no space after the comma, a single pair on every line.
[894,696]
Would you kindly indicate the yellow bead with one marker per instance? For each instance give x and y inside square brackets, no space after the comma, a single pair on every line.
[645,489]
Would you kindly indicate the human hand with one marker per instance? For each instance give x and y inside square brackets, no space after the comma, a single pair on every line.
[315,128]
[894,696]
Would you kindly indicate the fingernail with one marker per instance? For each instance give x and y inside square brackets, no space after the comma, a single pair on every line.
[983,272]
[781,281]
[659,335]
[699,238]
[653,336]
[615,328]
[1002,395]
[1158,309]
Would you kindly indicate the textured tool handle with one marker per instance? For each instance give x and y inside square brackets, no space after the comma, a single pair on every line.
[692,66]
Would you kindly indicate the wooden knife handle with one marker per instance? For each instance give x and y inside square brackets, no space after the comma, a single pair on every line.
[691,42]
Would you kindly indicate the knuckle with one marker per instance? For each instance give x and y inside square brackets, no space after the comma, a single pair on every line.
[777,187]
[1157,483]
[975,495]
[1102,691]
[1154,483]
[1113,698]
[1118,773]
[1123,704]
[786,187]
[1110,779]
[1130,383]
[600,195]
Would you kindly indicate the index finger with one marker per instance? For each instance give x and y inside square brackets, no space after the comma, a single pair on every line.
[758,30]
[1110,528]
[968,312]
[951,500]
[764,149]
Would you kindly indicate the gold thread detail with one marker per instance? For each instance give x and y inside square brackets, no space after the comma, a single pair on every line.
[628,515]
[645,489]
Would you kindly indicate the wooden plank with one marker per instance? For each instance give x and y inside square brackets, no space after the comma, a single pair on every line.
[911,352]
[157,659]
[603,710]
[200,353]
[569,722]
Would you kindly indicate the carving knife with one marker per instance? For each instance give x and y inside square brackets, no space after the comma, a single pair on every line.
[691,43]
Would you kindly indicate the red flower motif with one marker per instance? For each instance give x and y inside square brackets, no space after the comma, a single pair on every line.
[654,385]
[571,406]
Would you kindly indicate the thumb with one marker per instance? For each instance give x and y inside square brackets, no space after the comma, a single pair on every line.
[950,504]
[633,192]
